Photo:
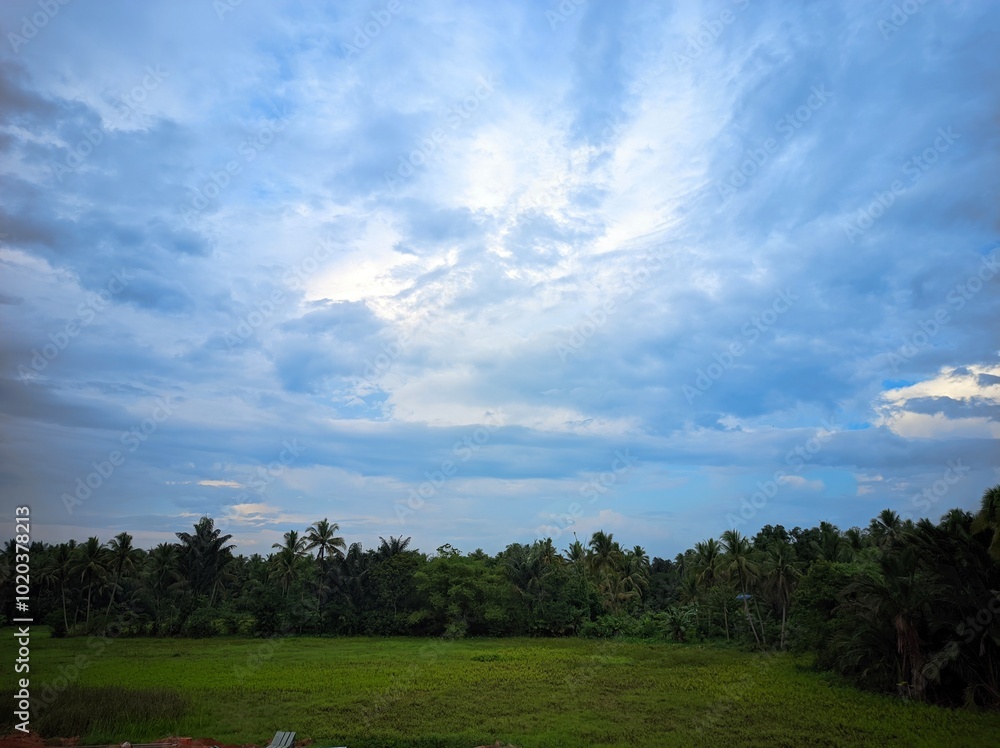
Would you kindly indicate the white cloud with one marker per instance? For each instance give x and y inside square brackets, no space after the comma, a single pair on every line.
[797,481]
[975,385]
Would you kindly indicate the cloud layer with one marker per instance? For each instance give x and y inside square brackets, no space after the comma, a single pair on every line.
[479,274]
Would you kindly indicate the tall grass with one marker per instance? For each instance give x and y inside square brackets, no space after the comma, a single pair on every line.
[104,714]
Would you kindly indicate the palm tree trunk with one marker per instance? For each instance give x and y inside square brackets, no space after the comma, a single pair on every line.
[62,592]
[725,618]
[783,611]
[112,600]
[756,605]
[746,611]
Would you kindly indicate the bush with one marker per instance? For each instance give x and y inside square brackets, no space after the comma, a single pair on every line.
[202,623]
[57,628]
[815,618]
[456,629]
[612,625]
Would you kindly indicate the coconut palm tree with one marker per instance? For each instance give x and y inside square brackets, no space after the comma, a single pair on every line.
[831,545]
[56,572]
[606,563]
[988,518]
[392,547]
[896,595]
[962,645]
[708,569]
[957,521]
[162,571]
[576,554]
[737,549]
[886,528]
[347,577]
[323,536]
[633,575]
[204,556]
[642,557]
[121,561]
[546,555]
[91,567]
[603,551]
[285,563]
[855,539]
[708,561]
[781,574]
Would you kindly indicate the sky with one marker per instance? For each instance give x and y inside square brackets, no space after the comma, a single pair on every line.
[484,273]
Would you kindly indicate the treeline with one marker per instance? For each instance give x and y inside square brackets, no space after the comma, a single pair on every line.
[897,606]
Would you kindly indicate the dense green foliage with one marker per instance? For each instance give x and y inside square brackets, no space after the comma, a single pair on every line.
[911,609]
[532,693]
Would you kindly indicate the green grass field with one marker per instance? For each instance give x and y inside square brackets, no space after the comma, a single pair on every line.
[419,692]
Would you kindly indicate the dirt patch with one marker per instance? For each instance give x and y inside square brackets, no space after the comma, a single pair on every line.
[20,740]
[33,740]
[201,743]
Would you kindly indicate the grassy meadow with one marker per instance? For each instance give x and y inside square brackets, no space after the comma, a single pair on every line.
[426,692]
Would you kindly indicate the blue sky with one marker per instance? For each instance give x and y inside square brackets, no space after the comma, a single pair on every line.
[481,273]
